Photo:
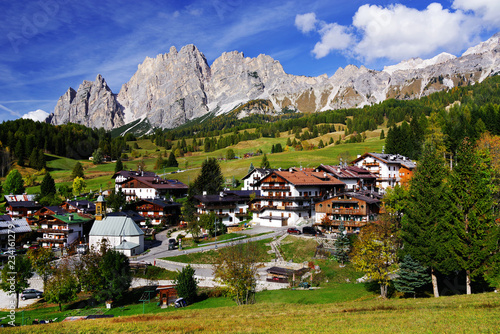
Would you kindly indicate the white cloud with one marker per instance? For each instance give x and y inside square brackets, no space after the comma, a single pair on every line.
[487,10]
[37,115]
[306,22]
[398,32]
[333,37]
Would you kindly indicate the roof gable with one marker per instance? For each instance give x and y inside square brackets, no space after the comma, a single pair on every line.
[116,226]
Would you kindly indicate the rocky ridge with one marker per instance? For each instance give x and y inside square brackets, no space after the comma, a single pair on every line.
[180,85]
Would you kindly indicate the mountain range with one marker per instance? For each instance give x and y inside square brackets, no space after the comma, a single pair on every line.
[179,86]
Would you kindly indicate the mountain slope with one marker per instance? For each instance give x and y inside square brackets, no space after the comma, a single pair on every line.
[179,86]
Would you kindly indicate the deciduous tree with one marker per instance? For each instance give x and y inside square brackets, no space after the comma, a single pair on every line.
[63,286]
[236,268]
[186,284]
[14,183]
[15,274]
[41,260]
[375,253]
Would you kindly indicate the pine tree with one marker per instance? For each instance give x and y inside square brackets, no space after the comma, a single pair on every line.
[265,163]
[41,163]
[425,234]
[251,168]
[172,161]
[118,165]
[210,179]
[48,186]
[77,170]
[342,245]
[471,212]
[412,276]
[382,134]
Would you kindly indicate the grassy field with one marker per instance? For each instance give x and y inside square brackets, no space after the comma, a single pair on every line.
[99,176]
[345,308]
[207,257]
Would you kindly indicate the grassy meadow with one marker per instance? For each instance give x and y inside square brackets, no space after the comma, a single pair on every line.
[345,308]
[99,176]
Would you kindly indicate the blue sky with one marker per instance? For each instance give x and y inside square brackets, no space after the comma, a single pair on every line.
[47,46]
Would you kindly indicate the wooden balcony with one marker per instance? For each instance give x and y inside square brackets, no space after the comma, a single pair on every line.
[279,188]
[54,230]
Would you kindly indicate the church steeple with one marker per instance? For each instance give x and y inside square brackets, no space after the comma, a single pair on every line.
[100,207]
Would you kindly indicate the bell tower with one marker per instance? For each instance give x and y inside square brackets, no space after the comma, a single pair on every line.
[100,207]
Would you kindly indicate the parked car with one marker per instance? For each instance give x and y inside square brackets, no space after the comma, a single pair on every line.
[31,293]
[172,243]
[310,230]
[293,230]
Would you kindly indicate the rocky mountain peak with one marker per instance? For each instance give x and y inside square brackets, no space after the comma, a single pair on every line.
[178,86]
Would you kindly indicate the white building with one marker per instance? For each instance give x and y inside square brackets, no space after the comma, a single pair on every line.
[386,167]
[288,197]
[121,234]
[230,207]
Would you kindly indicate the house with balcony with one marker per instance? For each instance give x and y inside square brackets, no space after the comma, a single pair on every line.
[386,167]
[80,206]
[158,211]
[251,180]
[21,206]
[354,177]
[12,230]
[63,230]
[287,197]
[147,185]
[353,209]
[229,206]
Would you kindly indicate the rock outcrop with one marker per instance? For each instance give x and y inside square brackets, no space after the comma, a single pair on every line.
[93,105]
[179,86]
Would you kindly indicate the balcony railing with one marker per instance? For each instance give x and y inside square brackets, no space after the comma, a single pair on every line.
[54,230]
[282,188]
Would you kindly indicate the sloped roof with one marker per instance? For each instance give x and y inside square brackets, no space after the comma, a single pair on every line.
[116,226]
[390,159]
[307,178]
[348,172]
[127,245]
[14,226]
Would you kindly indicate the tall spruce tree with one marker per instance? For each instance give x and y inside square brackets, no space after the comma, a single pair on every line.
[471,211]
[412,276]
[265,163]
[48,186]
[172,161]
[424,231]
[210,179]
[342,245]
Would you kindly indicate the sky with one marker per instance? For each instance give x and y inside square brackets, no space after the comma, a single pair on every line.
[47,46]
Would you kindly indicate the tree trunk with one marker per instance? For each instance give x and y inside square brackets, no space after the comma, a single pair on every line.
[467,282]
[383,291]
[434,283]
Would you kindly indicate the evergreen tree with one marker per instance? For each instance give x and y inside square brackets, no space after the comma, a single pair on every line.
[265,163]
[118,165]
[41,163]
[210,179]
[48,186]
[186,284]
[115,275]
[251,168]
[342,245]
[172,161]
[34,158]
[425,234]
[382,134]
[412,276]
[77,170]
[20,152]
[14,183]
[471,212]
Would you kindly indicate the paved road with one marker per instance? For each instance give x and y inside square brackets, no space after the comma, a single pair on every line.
[161,250]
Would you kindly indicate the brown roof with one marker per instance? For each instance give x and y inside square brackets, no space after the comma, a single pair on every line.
[303,178]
